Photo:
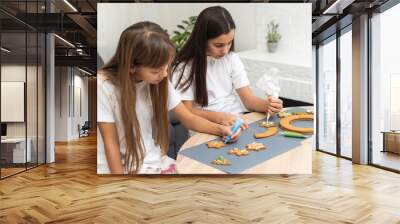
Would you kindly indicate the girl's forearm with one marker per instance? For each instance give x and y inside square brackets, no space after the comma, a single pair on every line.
[196,122]
[257,104]
[251,101]
[111,147]
[200,124]
[209,115]
[114,160]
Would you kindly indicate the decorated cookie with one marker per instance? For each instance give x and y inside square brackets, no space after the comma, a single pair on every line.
[255,146]
[238,152]
[215,144]
[220,160]
[267,133]
[284,114]
[267,124]
[286,123]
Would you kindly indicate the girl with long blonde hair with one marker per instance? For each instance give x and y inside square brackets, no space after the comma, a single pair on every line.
[134,97]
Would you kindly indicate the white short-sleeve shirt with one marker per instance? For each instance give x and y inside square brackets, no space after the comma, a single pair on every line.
[108,110]
[224,76]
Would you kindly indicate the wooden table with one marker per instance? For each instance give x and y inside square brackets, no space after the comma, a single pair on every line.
[391,141]
[296,161]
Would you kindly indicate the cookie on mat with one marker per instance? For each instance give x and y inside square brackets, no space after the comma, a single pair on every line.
[271,131]
[255,146]
[215,144]
[284,114]
[220,160]
[267,124]
[238,152]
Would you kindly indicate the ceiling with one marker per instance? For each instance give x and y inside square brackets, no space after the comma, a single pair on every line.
[76,22]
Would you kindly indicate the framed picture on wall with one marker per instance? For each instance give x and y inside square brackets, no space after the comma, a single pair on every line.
[12,101]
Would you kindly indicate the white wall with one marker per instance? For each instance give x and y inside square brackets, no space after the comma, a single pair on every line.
[16,73]
[61,105]
[82,82]
[250,20]
[295,27]
[80,109]
[33,126]
[70,83]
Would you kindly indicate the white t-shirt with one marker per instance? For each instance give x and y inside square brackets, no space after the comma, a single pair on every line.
[224,76]
[108,110]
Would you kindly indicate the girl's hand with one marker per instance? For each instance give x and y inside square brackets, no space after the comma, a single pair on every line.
[274,105]
[226,131]
[226,119]
[244,126]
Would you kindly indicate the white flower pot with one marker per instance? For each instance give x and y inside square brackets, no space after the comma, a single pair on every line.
[272,46]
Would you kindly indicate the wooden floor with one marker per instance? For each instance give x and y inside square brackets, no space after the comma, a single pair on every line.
[387,159]
[69,191]
[10,171]
[5,172]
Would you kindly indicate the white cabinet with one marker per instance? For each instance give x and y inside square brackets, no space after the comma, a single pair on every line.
[294,77]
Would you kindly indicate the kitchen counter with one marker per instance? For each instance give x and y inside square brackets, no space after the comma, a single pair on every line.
[295,79]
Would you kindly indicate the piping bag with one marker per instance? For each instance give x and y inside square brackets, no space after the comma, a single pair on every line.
[234,129]
[293,134]
[269,84]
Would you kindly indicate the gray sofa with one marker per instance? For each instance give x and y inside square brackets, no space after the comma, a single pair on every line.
[178,134]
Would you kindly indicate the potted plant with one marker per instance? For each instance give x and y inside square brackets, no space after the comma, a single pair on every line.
[182,34]
[273,36]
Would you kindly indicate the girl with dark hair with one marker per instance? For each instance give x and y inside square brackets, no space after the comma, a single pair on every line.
[134,98]
[210,77]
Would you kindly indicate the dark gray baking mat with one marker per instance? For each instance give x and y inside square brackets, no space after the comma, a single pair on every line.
[276,145]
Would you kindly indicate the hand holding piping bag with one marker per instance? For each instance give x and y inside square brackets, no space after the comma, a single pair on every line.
[274,104]
[235,130]
[269,83]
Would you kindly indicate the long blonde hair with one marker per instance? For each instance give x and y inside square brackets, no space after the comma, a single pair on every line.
[143,44]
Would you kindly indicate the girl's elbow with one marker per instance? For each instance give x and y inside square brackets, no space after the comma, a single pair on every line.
[249,106]
[190,120]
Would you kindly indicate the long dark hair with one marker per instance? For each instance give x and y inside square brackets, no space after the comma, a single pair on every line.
[211,23]
[143,44]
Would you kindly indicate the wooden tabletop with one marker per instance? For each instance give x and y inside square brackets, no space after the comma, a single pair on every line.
[296,161]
